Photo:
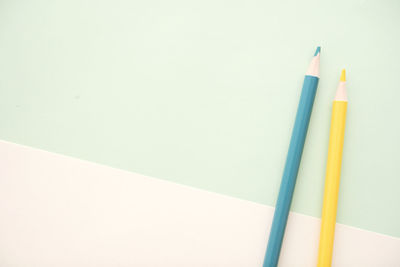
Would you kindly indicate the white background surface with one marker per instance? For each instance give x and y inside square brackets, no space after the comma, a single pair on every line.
[60,211]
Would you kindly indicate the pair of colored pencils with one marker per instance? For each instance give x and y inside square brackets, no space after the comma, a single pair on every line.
[293,162]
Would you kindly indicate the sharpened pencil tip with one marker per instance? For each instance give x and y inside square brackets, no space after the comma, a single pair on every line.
[343,76]
[317,51]
[341,93]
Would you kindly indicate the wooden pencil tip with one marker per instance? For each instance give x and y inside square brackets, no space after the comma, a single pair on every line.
[341,94]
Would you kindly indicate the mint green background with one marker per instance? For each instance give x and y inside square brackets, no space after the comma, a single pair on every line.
[204,93]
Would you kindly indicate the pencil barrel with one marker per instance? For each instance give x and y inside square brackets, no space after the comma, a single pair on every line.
[290,171]
[332,181]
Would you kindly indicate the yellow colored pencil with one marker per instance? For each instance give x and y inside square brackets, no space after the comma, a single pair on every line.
[332,178]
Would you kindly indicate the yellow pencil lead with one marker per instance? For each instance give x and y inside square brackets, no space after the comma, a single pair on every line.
[343,76]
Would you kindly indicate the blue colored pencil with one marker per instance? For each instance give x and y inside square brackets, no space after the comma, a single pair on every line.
[292,162]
